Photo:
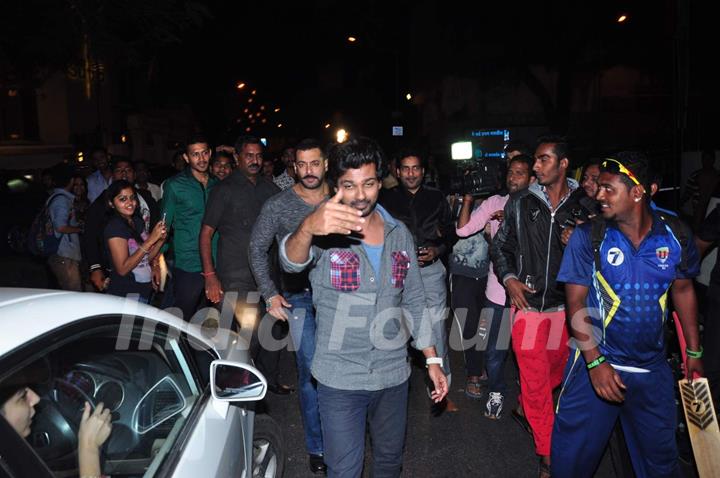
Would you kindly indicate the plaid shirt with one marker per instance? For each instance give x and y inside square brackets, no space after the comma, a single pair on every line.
[362,316]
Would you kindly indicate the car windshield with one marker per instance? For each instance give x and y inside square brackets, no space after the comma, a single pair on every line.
[145,382]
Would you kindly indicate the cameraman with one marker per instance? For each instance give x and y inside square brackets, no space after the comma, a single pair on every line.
[519,175]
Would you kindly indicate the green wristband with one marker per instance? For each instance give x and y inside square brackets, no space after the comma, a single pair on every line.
[694,354]
[595,362]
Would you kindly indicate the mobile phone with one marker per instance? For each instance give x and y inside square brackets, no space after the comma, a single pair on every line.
[163,218]
[530,281]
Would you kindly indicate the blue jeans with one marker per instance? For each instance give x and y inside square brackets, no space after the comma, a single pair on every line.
[498,344]
[344,416]
[302,331]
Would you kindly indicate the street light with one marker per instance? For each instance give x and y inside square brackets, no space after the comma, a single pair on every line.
[240,86]
[622,18]
[408,97]
[341,135]
[351,39]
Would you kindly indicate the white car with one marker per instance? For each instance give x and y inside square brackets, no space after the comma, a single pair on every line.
[182,397]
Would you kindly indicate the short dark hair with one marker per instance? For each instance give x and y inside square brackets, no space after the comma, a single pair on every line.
[527,160]
[121,159]
[308,144]
[406,153]
[243,140]
[561,146]
[591,162]
[352,154]
[61,175]
[517,145]
[196,138]
[223,154]
[637,163]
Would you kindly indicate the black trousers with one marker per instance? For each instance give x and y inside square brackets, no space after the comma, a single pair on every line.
[252,322]
[468,293]
[188,292]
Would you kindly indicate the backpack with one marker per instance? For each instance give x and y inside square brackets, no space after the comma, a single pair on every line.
[597,235]
[41,239]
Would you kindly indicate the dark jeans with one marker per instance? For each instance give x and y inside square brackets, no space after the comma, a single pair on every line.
[497,346]
[250,318]
[468,293]
[302,331]
[344,414]
[188,292]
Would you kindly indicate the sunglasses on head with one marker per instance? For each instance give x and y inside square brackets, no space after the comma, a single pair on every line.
[616,167]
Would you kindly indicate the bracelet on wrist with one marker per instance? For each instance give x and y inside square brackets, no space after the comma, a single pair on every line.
[207,274]
[694,353]
[595,362]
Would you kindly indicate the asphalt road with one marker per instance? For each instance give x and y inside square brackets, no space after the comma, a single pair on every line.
[458,444]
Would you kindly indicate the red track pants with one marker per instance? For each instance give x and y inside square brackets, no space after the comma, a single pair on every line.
[540,343]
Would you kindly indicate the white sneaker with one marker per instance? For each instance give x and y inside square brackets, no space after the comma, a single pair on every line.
[494,405]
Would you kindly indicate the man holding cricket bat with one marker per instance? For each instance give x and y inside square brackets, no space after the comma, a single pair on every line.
[618,273]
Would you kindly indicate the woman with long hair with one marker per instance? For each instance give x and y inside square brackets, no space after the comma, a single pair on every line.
[81,202]
[129,248]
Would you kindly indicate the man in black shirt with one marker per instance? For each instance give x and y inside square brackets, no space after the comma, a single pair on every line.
[232,208]
[427,214]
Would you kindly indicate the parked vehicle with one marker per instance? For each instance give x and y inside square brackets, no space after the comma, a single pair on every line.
[182,397]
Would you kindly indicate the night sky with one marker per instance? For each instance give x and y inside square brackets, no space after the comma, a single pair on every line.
[296,54]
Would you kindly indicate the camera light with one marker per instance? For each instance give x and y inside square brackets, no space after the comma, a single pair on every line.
[461,150]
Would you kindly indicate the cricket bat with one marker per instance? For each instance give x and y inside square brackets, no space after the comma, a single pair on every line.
[700,416]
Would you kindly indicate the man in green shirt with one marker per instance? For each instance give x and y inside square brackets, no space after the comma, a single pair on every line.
[183,208]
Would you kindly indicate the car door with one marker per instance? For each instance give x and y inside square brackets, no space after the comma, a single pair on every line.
[217,440]
[150,377]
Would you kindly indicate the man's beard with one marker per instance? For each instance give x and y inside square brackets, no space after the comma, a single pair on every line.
[367,206]
[310,186]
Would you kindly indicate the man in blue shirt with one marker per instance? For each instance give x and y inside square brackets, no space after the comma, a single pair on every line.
[617,293]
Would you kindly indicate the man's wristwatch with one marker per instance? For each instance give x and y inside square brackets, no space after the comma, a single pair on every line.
[431,360]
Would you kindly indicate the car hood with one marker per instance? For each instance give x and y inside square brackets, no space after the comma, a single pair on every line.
[26,314]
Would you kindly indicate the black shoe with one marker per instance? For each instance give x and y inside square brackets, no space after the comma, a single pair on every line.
[279,389]
[317,464]
[522,421]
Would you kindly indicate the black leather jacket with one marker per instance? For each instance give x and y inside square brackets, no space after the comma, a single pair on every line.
[529,242]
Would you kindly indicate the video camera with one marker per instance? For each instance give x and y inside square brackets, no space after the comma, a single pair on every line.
[479,178]
[476,173]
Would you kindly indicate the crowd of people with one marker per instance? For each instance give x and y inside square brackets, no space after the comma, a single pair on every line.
[357,259]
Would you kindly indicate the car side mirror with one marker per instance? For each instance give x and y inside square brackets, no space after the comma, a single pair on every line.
[236,382]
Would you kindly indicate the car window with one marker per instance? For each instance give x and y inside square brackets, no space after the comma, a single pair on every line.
[141,374]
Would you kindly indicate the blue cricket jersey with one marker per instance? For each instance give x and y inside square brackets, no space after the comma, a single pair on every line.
[630,291]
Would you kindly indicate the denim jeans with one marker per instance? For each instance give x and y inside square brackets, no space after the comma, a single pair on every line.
[344,415]
[498,344]
[433,277]
[302,331]
[66,271]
